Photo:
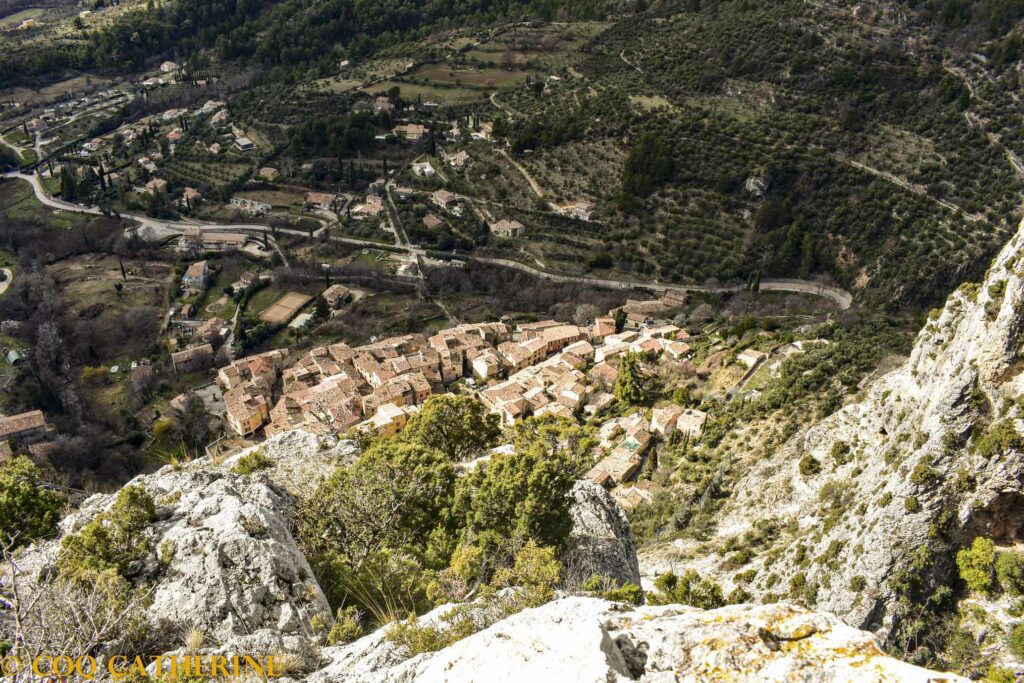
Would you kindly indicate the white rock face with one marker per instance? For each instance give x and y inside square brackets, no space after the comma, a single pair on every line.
[601,540]
[222,560]
[912,478]
[302,460]
[587,640]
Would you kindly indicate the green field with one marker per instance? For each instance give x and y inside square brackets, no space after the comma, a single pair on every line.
[23,15]
[18,202]
[438,92]
[335,85]
[481,78]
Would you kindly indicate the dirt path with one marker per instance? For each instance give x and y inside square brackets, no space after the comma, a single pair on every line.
[7,280]
[534,185]
[916,189]
[622,56]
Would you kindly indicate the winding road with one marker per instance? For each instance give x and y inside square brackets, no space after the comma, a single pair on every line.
[841,297]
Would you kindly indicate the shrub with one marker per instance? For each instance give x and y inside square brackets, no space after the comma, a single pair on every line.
[1016,641]
[961,650]
[910,504]
[809,466]
[606,588]
[113,540]
[1000,675]
[858,583]
[27,510]
[535,574]
[976,565]
[1010,572]
[525,495]
[1000,437]
[458,426]
[627,592]
[840,453]
[252,462]
[740,557]
[923,475]
[347,627]
[688,589]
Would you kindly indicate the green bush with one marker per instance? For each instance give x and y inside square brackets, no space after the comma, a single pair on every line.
[252,462]
[606,588]
[976,565]
[961,651]
[458,426]
[397,532]
[809,466]
[113,540]
[911,504]
[1000,437]
[688,589]
[1010,572]
[347,627]
[740,557]
[923,475]
[1016,641]
[627,592]
[27,510]
[840,453]
[534,574]
[1000,675]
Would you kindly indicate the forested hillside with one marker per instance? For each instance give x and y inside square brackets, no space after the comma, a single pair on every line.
[303,37]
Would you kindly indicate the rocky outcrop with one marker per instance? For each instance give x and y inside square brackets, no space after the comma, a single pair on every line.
[590,640]
[302,460]
[601,541]
[222,561]
[897,481]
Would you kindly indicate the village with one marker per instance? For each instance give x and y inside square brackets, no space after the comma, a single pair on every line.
[207,163]
[516,370]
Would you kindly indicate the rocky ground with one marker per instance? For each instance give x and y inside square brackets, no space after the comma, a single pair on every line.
[224,562]
[587,640]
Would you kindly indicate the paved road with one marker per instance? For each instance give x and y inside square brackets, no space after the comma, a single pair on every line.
[7,280]
[841,297]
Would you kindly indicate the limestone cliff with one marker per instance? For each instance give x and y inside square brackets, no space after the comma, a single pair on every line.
[919,463]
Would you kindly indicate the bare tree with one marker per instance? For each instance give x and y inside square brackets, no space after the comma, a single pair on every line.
[48,615]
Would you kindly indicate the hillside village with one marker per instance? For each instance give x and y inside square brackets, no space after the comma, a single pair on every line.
[540,368]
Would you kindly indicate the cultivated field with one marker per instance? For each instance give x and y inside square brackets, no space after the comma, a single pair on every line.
[23,15]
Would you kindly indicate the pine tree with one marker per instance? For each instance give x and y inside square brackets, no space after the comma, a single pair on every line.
[630,384]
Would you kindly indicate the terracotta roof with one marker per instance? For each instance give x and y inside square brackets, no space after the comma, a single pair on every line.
[16,424]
